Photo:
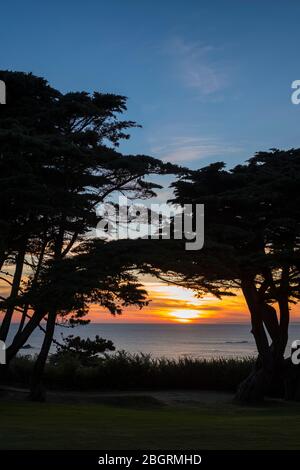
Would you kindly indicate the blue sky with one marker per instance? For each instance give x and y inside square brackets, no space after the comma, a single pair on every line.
[208,80]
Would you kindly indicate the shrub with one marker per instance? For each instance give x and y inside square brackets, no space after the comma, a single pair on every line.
[124,371]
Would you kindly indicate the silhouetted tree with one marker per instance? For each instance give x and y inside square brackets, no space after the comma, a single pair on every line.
[252,237]
[85,351]
[58,162]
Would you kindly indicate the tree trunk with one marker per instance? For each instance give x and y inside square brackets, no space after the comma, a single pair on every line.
[254,388]
[21,338]
[2,258]
[37,390]
[5,325]
[23,318]
[272,374]
[284,323]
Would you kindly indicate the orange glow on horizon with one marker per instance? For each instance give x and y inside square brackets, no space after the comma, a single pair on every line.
[174,304]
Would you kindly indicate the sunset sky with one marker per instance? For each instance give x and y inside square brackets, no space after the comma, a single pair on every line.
[205,88]
[173,304]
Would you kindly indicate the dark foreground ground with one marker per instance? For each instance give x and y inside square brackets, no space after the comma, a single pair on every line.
[162,420]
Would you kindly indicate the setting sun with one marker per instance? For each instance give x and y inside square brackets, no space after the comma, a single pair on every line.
[185,316]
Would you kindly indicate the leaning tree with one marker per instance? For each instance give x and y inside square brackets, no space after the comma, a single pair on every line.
[58,162]
[252,229]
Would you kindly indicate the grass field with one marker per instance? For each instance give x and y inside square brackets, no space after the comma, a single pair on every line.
[220,426]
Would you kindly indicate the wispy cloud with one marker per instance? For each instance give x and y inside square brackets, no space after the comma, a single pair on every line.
[196,66]
[181,149]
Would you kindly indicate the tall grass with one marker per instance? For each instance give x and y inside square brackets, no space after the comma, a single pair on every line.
[124,371]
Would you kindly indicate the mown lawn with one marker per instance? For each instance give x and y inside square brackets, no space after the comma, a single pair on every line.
[68,426]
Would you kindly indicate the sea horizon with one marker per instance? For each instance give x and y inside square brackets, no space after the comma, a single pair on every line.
[169,340]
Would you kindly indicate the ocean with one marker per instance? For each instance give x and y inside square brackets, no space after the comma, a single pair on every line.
[171,341]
